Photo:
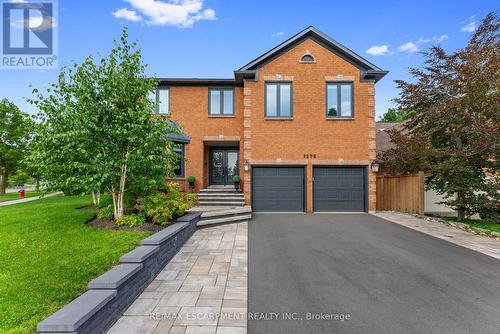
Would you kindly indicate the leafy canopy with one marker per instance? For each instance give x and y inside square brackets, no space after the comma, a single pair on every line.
[455,120]
[98,132]
[15,134]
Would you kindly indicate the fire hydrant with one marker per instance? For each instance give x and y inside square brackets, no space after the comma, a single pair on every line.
[21,192]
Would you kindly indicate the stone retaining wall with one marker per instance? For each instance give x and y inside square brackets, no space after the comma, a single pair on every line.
[110,294]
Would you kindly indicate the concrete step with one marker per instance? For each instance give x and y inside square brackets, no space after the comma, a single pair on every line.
[220,190]
[229,212]
[225,220]
[221,203]
[222,199]
[214,194]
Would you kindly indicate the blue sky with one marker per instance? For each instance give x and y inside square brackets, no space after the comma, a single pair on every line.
[211,38]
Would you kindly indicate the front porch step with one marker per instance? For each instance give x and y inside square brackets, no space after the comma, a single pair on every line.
[221,195]
[219,198]
[222,214]
[221,203]
[225,212]
[224,220]
[220,190]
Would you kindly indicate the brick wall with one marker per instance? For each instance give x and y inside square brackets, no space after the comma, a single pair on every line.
[263,141]
[332,141]
[189,107]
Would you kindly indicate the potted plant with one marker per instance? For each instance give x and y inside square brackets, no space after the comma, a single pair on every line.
[191,180]
[236,180]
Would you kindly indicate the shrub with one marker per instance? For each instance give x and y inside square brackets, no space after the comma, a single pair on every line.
[162,207]
[131,220]
[105,212]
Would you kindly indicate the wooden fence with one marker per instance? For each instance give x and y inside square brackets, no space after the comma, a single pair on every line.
[403,193]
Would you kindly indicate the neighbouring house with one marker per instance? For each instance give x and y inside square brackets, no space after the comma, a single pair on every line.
[296,123]
[431,198]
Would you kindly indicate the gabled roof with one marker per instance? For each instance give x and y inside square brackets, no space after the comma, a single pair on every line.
[368,70]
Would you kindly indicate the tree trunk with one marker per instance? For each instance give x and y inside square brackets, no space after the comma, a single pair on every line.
[96,197]
[460,210]
[118,194]
[3,181]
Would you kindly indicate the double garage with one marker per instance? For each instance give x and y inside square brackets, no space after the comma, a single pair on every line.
[283,189]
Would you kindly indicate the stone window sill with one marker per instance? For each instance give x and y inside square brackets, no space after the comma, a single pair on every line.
[278,118]
[340,118]
[221,116]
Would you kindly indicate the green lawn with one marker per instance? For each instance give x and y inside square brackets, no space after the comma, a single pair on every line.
[48,255]
[13,196]
[490,226]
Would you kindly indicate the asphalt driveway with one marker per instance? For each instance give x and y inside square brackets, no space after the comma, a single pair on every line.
[385,277]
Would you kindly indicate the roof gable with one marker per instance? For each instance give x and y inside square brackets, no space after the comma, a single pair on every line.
[368,69]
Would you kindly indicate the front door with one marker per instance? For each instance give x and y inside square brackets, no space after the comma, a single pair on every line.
[224,164]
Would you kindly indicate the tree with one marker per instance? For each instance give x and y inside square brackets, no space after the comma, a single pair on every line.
[98,132]
[394,115]
[408,155]
[14,135]
[454,101]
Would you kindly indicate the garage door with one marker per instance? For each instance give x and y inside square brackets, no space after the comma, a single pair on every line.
[339,189]
[278,189]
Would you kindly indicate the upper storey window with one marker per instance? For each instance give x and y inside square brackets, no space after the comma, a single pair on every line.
[278,100]
[162,99]
[307,58]
[221,101]
[339,99]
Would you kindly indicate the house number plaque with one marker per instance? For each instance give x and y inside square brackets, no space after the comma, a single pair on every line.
[310,156]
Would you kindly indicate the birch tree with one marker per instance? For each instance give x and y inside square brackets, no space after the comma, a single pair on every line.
[99,133]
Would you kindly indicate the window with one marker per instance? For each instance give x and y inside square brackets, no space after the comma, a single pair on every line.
[221,101]
[307,58]
[162,99]
[278,101]
[179,150]
[339,100]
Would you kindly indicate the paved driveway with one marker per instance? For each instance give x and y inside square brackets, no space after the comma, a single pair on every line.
[388,278]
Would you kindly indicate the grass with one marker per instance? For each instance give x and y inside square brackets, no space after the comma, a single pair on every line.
[13,196]
[487,225]
[48,255]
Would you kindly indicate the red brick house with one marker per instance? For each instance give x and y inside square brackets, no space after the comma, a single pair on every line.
[297,124]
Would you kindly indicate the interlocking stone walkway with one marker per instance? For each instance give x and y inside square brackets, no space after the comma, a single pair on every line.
[485,245]
[202,290]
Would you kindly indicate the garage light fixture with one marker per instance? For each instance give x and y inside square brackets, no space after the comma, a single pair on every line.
[246,166]
[375,166]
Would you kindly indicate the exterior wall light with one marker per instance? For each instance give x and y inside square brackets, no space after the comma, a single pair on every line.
[246,166]
[375,166]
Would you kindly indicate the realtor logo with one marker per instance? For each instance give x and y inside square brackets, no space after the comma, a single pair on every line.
[29,35]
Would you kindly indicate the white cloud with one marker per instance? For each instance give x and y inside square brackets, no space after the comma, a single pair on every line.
[432,39]
[408,47]
[277,34]
[127,14]
[179,13]
[35,22]
[440,38]
[471,24]
[378,50]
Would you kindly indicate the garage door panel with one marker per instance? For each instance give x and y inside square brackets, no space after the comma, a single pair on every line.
[278,189]
[339,189]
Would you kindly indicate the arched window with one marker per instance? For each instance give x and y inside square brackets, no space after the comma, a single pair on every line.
[307,58]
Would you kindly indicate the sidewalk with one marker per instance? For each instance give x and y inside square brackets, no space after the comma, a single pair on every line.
[29,199]
[485,245]
[202,290]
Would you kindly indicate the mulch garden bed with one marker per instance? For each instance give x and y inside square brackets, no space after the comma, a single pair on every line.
[108,224]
